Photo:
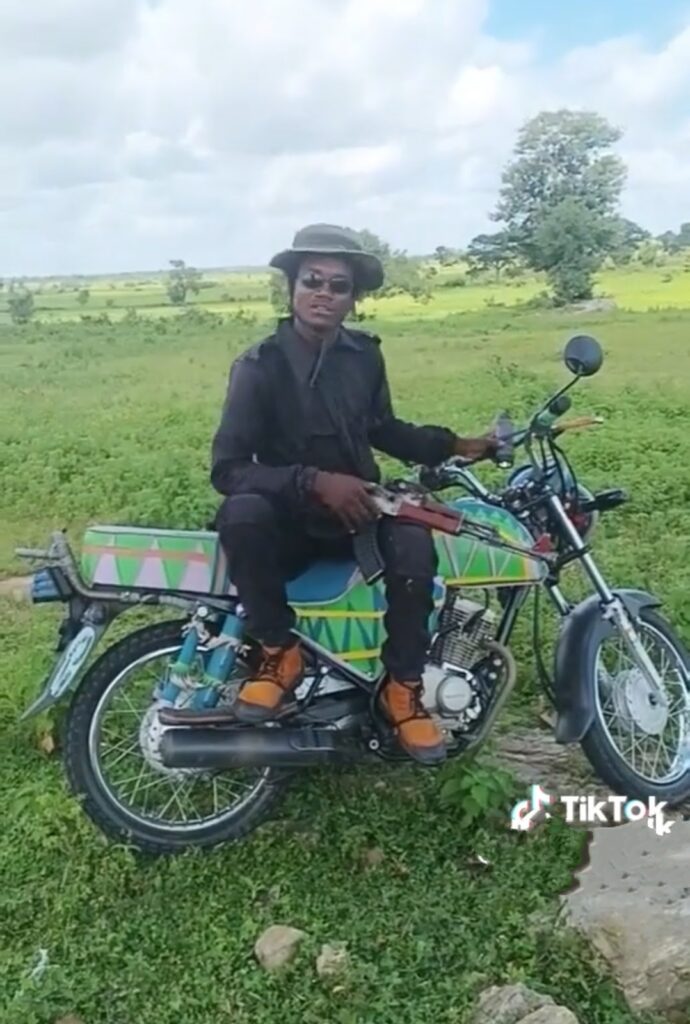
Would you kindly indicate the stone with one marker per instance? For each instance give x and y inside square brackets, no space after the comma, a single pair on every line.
[632,903]
[550,1015]
[373,857]
[277,946]
[333,960]
[509,1004]
[16,588]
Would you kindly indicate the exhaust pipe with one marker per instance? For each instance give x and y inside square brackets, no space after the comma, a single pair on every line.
[216,747]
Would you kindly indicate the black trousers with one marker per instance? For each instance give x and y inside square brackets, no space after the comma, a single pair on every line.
[267,545]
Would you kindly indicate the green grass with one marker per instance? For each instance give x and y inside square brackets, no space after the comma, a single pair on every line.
[113,424]
[633,288]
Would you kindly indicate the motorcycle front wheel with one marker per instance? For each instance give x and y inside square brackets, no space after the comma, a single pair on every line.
[113,766]
[638,747]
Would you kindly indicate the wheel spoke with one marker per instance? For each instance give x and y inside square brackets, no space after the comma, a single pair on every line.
[130,770]
[649,738]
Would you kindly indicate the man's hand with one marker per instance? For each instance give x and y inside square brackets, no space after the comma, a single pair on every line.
[482,447]
[347,497]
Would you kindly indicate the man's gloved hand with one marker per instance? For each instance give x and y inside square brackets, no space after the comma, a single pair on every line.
[347,497]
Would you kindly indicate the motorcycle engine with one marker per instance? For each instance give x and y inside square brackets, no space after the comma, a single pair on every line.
[451,692]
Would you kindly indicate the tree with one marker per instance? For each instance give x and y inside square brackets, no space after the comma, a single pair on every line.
[562,156]
[278,294]
[83,296]
[402,273]
[629,238]
[569,244]
[20,303]
[182,279]
[675,242]
[650,253]
[491,252]
[445,256]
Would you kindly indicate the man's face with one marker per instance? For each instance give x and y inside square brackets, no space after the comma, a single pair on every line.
[323,292]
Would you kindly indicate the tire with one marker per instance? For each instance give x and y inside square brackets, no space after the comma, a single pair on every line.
[603,755]
[85,779]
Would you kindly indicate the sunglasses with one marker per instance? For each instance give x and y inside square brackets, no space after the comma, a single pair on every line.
[336,285]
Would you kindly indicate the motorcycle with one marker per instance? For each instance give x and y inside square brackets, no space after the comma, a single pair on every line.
[153,767]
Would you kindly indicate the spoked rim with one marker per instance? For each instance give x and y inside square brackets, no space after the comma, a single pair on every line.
[654,742]
[167,788]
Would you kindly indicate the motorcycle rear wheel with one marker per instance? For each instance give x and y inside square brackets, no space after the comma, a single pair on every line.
[88,776]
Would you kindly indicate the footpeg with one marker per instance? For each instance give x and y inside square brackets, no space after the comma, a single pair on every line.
[192,717]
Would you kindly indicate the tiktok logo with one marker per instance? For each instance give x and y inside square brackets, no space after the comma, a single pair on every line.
[525,813]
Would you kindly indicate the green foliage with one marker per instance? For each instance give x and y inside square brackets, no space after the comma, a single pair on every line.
[181,280]
[491,252]
[83,296]
[403,274]
[562,178]
[278,292]
[627,239]
[569,243]
[447,257]
[650,253]
[676,242]
[479,791]
[112,423]
[20,303]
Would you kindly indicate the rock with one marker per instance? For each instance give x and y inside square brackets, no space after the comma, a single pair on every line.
[16,588]
[277,946]
[632,903]
[373,857]
[550,1015]
[333,960]
[509,1004]
[594,306]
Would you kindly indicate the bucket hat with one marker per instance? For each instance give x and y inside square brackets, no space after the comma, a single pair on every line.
[331,240]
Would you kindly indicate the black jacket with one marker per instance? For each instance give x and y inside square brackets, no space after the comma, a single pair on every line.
[265,437]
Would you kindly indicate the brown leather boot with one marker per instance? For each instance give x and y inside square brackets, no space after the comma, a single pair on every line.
[417,733]
[280,673]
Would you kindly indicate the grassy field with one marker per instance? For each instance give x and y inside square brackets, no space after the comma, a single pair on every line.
[112,423]
[225,293]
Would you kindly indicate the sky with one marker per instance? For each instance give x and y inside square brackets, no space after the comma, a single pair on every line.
[133,132]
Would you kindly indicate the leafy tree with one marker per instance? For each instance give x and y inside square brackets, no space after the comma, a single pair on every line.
[651,253]
[629,237]
[445,256]
[491,252]
[561,171]
[569,244]
[402,273]
[675,242]
[181,280]
[20,303]
[83,296]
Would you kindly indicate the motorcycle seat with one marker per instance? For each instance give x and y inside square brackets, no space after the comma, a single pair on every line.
[326,580]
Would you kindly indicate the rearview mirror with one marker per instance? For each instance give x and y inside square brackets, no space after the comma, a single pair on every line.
[583,355]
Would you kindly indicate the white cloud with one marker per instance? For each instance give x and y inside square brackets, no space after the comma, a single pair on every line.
[137,130]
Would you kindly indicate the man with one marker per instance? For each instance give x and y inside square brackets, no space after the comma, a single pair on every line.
[292,455]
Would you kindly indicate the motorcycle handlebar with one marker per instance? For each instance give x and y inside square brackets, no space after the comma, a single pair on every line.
[439,477]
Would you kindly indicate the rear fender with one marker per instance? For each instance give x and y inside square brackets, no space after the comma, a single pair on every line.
[68,666]
[80,632]
[575,660]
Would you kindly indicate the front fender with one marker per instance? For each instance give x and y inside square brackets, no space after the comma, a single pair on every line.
[575,660]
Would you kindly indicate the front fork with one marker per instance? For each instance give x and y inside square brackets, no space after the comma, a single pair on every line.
[221,663]
[613,608]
